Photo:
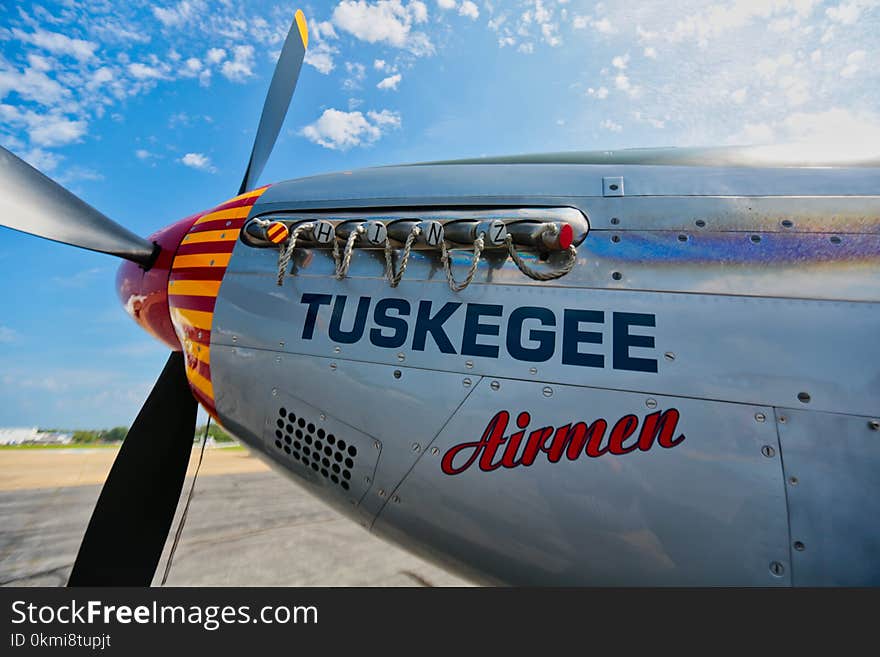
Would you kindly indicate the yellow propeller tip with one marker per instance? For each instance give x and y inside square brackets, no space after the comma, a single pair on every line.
[303,28]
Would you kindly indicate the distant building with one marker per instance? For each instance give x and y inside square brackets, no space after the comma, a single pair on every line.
[31,435]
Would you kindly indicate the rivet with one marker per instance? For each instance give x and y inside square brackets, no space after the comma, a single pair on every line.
[760,417]
[669,356]
[793,481]
[323,417]
[367,481]
[397,374]
[835,239]
[777,568]
[469,364]
[782,419]
[615,238]
[616,275]
[281,344]
[211,264]
[234,338]
[395,499]
[337,349]
[800,547]
[533,370]
[787,223]
[651,403]
[682,238]
[466,383]
[548,391]
[700,223]
[401,357]
[381,492]
[755,239]
[222,236]
[416,447]
[228,223]
[768,451]
[804,397]
[274,392]
[615,221]
[495,385]
[434,451]
[333,366]
[376,445]
[874,425]
[200,335]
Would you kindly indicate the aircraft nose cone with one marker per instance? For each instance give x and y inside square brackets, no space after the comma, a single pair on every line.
[144,293]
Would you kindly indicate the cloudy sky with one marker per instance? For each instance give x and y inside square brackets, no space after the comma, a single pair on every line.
[148,109]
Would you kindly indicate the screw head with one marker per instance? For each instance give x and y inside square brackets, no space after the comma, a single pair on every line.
[401,357]
[281,343]
[434,451]
[466,383]
[782,419]
[548,391]
[277,359]
[323,417]
[367,480]
[760,417]
[337,349]
[333,366]
[669,356]
[416,447]
[799,546]
[793,481]
[395,499]
[874,425]
[397,374]
[651,403]
[274,392]
[768,451]
[376,445]
[469,364]
[777,569]
[495,385]
[234,338]
[381,492]
[533,370]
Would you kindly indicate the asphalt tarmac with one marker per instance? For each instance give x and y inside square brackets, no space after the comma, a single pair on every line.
[243,529]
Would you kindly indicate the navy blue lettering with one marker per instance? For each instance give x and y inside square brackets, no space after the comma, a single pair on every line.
[315,301]
[623,340]
[545,339]
[434,325]
[473,328]
[381,318]
[360,320]
[572,337]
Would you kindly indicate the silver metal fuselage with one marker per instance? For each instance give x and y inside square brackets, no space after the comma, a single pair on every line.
[746,299]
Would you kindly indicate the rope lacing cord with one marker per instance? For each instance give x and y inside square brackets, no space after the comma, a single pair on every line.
[395,278]
[534,273]
[285,253]
[344,263]
[447,266]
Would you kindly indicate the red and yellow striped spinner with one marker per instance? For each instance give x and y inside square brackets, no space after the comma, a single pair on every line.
[194,282]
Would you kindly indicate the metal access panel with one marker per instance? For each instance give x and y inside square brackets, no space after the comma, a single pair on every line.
[708,511]
[832,469]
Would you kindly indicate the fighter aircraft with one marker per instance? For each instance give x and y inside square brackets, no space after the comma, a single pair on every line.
[646,367]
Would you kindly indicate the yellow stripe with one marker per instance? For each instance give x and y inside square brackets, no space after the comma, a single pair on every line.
[196,318]
[201,383]
[201,260]
[199,351]
[212,236]
[195,288]
[276,230]
[303,28]
[229,213]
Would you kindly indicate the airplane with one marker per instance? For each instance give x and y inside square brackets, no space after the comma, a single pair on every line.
[654,367]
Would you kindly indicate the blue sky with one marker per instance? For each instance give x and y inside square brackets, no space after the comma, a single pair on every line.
[147,110]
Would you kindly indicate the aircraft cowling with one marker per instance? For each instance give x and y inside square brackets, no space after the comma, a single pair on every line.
[144,293]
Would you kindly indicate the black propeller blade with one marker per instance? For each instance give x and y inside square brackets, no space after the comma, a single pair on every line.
[36,204]
[125,537]
[277,99]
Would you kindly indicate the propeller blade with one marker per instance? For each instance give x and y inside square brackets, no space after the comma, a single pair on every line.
[277,99]
[127,532]
[34,203]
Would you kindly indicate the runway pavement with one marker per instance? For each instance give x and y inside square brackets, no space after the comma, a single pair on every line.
[247,525]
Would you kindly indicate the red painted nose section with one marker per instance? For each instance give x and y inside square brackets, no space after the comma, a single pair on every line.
[144,294]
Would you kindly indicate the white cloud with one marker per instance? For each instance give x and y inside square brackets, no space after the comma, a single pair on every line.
[651,53]
[215,55]
[58,44]
[848,13]
[240,67]
[7,335]
[469,9]
[144,72]
[390,82]
[339,130]
[321,52]
[446,4]
[854,62]
[31,84]
[385,21]
[198,161]
[379,64]
[620,61]
[611,126]
[357,74]
[177,15]
[56,131]
[601,93]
